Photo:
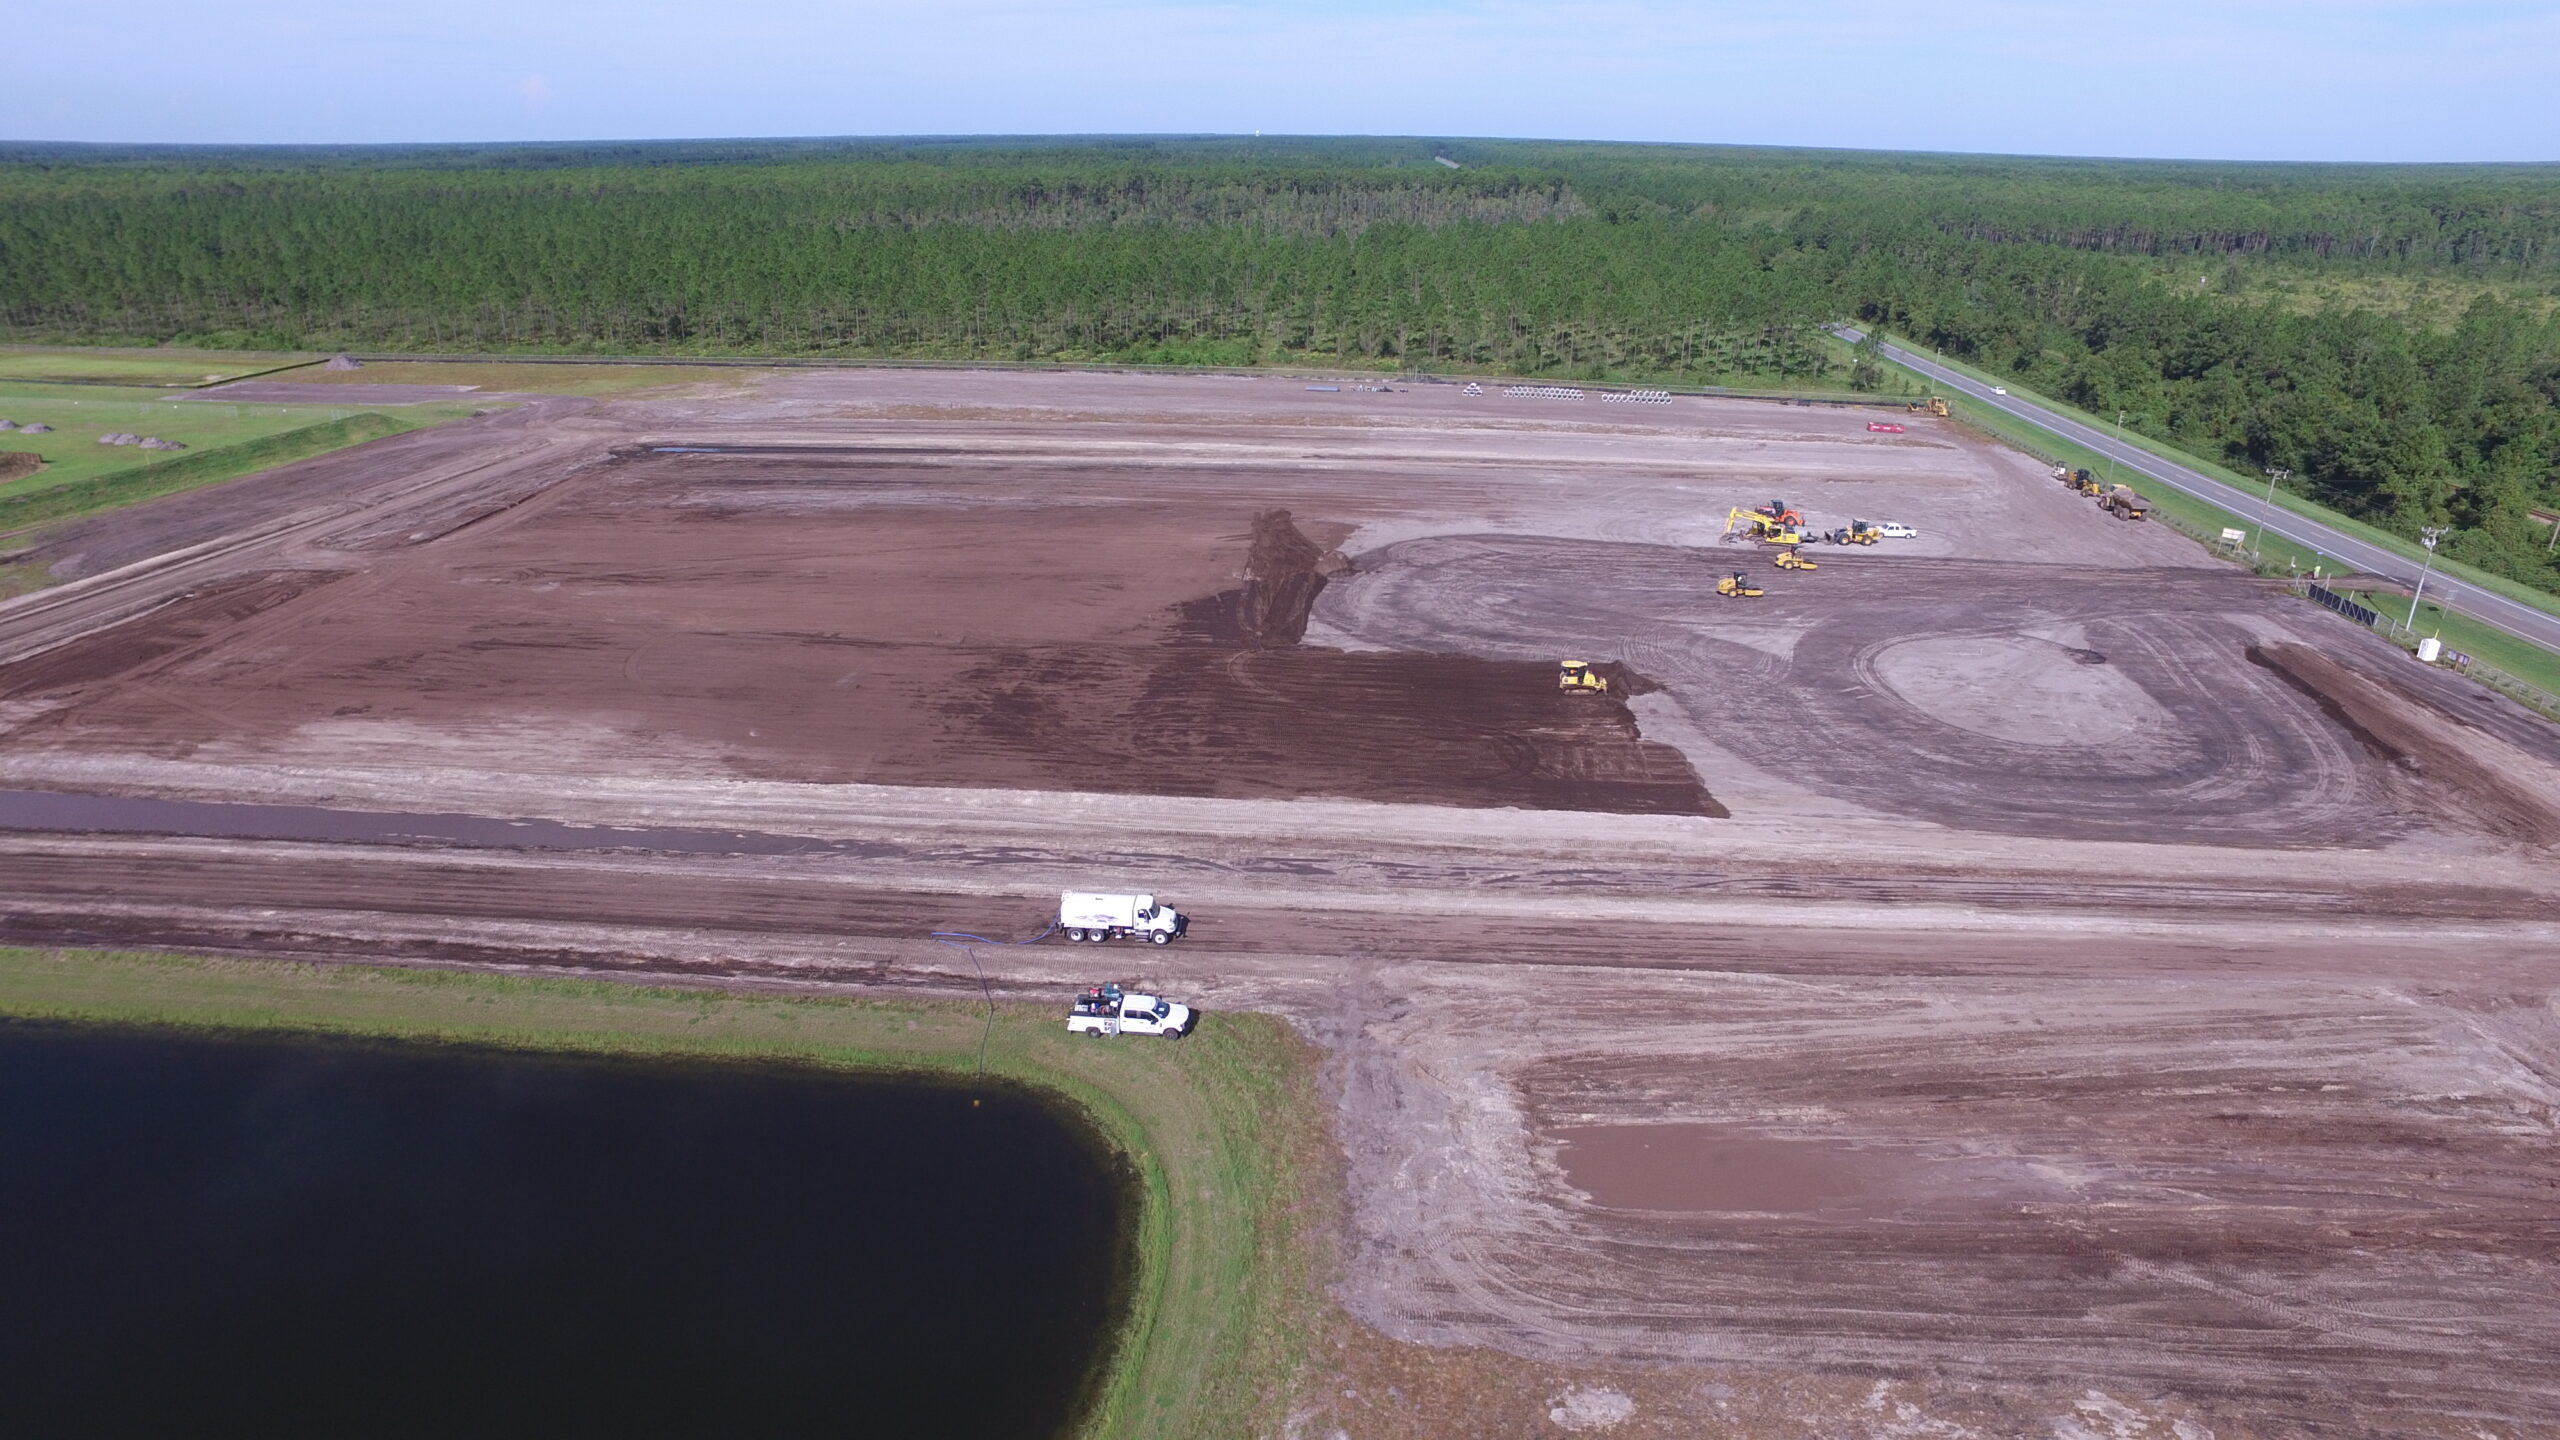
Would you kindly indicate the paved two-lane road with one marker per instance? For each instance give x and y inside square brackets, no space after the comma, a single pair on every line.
[2514,617]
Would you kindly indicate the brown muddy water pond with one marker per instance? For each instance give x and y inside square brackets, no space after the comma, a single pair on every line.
[250,1235]
[1716,1168]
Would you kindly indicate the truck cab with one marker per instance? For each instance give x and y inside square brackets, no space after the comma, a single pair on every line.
[1110,1010]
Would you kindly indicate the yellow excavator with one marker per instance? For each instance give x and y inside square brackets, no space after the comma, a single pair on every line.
[1794,560]
[1755,526]
[1934,405]
[1738,587]
[1576,677]
[1750,524]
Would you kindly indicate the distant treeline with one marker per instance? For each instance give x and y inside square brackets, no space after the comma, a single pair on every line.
[1592,261]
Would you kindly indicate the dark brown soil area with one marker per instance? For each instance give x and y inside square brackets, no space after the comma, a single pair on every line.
[2416,737]
[782,618]
[169,630]
[19,464]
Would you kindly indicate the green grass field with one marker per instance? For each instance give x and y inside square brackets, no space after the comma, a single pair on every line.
[101,365]
[80,415]
[497,376]
[224,441]
[1224,1128]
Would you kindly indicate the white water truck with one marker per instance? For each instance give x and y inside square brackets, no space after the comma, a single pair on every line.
[1091,915]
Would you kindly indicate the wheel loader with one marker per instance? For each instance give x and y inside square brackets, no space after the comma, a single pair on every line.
[1576,677]
[1857,532]
[1933,405]
[1735,585]
[1794,560]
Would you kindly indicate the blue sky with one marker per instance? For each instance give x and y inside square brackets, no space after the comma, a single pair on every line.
[2252,79]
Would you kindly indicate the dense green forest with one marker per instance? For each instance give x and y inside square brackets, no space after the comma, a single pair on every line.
[2134,285]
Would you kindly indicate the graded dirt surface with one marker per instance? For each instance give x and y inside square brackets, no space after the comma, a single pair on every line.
[2025,981]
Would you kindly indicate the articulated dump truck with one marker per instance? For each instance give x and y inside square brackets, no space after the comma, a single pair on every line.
[2125,505]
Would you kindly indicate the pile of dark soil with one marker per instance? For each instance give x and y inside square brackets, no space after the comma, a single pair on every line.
[1284,571]
[2406,732]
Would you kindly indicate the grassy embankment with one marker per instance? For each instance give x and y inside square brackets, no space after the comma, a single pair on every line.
[1224,1128]
[72,493]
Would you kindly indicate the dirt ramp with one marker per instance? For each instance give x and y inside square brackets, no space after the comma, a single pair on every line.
[2473,777]
[1284,571]
[173,628]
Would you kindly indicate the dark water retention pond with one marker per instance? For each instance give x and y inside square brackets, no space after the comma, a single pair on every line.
[303,1238]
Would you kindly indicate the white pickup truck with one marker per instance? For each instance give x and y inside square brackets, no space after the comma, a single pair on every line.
[1086,915]
[1110,1010]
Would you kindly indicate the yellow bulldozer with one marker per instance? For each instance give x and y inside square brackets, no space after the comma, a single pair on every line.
[1934,405]
[1576,677]
[1738,587]
[1794,560]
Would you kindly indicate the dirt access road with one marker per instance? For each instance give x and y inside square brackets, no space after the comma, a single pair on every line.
[2022,979]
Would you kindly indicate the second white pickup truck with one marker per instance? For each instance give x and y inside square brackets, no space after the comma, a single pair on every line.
[1110,1010]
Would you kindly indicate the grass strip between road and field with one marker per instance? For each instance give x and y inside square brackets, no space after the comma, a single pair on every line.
[116,488]
[2273,554]
[2400,545]
[1224,1129]
[2526,661]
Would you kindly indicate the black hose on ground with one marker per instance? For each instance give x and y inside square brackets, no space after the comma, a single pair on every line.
[965,942]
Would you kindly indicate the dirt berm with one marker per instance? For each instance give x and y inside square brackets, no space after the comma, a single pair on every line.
[2515,799]
[1284,571]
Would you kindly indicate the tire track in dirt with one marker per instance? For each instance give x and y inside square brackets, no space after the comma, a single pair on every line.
[1792,686]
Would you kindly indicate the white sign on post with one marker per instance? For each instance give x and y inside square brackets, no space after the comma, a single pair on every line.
[2234,537]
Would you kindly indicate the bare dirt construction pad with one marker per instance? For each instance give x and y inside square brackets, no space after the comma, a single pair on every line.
[2118,1001]
[817,617]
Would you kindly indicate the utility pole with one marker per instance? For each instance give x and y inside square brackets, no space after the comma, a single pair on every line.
[2267,507]
[2427,537]
[2111,459]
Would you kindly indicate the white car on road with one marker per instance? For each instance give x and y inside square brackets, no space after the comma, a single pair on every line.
[1896,530]
[1999,389]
